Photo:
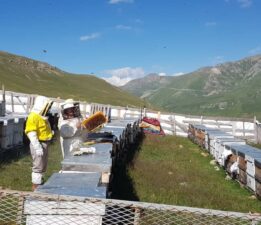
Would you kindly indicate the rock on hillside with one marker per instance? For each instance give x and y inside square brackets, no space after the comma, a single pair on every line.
[225,76]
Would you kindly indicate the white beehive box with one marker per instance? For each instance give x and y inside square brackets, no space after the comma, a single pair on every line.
[6,132]
[51,212]
[18,131]
[11,131]
[251,182]
[222,152]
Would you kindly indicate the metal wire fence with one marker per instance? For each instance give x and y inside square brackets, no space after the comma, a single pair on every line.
[33,208]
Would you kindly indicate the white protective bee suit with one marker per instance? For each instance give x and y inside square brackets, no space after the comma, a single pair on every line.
[39,133]
[70,128]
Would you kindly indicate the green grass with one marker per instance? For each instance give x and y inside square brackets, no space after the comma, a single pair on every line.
[169,170]
[16,174]
[172,170]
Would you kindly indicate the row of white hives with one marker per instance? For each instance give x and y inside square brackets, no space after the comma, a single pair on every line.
[90,172]
[11,132]
[88,175]
[171,123]
[241,161]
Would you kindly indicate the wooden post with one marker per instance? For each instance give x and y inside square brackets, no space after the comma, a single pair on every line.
[28,103]
[144,112]
[20,208]
[3,91]
[244,133]
[12,102]
[234,128]
[32,101]
[137,215]
[255,130]
[3,110]
[174,124]
[119,113]
[85,108]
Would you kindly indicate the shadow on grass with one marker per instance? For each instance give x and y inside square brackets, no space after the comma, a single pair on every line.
[122,185]
[10,155]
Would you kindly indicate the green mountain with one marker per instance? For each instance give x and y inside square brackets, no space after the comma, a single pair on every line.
[145,87]
[229,89]
[25,75]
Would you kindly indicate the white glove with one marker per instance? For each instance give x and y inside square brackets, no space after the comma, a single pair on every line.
[35,143]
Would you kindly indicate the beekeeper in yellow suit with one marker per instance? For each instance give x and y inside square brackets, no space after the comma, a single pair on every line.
[70,127]
[39,133]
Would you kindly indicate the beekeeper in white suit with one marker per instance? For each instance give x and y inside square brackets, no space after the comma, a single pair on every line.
[40,134]
[70,127]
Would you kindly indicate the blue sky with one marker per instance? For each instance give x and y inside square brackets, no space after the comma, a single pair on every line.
[125,39]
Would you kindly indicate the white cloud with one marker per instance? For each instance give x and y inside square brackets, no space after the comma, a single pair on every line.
[255,50]
[90,37]
[122,76]
[162,74]
[210,24]
[245,3]
[116,81]
[120,1]
[242,3]
[123,27]
[178,74]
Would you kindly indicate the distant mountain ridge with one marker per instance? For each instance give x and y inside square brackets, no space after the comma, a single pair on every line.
[151,83]
[26,75]
[228,89]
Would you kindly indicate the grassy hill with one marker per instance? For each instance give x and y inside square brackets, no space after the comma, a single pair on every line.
[229,89]
[30,76]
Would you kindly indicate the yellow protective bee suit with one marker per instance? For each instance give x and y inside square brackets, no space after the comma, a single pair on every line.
[39,132]
[37,123]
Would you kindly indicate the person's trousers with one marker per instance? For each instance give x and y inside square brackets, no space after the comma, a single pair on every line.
[39,163]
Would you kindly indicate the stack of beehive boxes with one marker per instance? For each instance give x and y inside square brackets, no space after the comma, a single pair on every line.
[11,129]
[11,132]
[240,160]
